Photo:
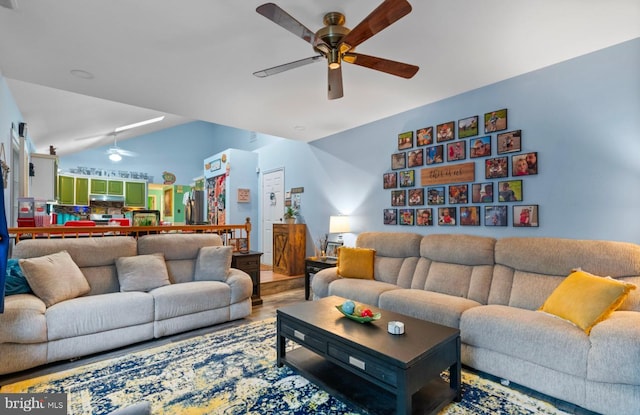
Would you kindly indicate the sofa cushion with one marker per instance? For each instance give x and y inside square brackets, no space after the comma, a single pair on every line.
[54,277]
[15,282]
[356,262]
[364,291]
[142,272]
[213,263]
[190,298]
[585,299]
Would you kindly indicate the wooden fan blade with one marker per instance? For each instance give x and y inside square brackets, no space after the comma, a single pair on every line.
[383,16]
[401,69]
[285,67]
[335,83]
[285,20]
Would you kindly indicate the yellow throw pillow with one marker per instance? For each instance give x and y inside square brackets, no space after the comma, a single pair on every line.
[586,299]
[356,262]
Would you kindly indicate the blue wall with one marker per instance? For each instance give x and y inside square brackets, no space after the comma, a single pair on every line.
[582,117]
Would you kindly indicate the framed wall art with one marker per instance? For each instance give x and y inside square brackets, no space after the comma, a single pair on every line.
[405,140]
[456,151]
[525,216]
[424,136]
[509,142]
[406,217]
[445,132]
[495,216]
[482,192]
[470,216]
[510,191]
[458,193]
[398,161]
[407,178]
[390,180]
[496,168]
[447,216]
[415,158]
[398,198]
[524,164]
[332,248]
[435,195]
[480,147]
[390,216]
[495,121]
[424,217]
[468,127]
[416,197]
[435,154]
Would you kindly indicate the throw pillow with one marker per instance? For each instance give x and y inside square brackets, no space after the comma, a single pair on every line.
[142,272]
[213,263]
[15,282]
[356,262]
[54,277]
[586,299]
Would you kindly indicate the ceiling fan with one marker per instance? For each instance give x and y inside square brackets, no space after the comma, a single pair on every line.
[336,43]
[115,153]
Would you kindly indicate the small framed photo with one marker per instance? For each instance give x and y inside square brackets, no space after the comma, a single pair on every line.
[495,121]
[407,178]
[482,192]
[405,140]
[424,217]
[332,249]
[416,197]
[435,195]
[239,244]
[468,127]
[435,154]
[424,136]
[480,147]
[390,216]
[509,142]
[525,216]
[456,151]
[525,164]
[495,216]
[406,217]
[458,193]
[496,168]
[447,216]
[390,180]
[415,158]
[470,216]
[398,198]
[445,132]
[398,161]
[510,191]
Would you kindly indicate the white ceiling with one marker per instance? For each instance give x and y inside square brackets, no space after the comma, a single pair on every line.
[194,59]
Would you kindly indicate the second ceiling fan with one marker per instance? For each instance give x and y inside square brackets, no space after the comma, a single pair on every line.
[336,43]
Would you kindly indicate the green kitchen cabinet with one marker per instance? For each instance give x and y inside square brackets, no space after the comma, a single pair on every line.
[66,190]
[135,194]
[82,191]
[115,187]
[98,186]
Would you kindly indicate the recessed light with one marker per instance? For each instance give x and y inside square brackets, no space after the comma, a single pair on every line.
[80,73]
[299,127]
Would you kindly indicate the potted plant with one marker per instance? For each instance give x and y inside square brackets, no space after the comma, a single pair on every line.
[290,215]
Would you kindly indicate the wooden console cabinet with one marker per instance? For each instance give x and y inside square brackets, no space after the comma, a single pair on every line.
[289,248]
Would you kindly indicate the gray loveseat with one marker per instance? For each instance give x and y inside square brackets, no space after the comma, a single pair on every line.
[491,288]
[32,334]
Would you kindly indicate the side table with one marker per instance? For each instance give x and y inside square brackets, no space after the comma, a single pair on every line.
[313,265]
[249,262]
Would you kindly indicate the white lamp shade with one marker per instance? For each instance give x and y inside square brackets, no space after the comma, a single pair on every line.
[339,224]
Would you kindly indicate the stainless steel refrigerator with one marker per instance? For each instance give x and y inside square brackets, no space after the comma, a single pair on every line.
[195,209]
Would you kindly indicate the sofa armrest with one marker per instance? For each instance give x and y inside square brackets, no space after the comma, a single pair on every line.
[241,285]
[322,279]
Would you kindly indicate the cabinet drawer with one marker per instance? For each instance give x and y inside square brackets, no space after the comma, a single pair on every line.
[301,336]
[363,363]
[247,262]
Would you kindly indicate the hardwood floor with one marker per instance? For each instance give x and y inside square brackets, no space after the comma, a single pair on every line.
[271,302]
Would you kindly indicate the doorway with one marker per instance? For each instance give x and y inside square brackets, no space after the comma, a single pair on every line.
[272,209]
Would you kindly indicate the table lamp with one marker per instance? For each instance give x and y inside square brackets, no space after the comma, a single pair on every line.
[339,225]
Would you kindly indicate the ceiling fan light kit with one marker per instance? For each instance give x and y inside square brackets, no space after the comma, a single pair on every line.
[336,43]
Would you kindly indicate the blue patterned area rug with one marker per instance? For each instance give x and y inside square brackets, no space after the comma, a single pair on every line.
[233,372]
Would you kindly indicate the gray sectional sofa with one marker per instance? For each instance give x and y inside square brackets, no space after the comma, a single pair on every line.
[193,292]
[491,290]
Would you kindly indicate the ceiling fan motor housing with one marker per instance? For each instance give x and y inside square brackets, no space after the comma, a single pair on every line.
[334,31]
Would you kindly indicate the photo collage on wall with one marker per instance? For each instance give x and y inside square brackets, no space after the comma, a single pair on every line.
[495,199]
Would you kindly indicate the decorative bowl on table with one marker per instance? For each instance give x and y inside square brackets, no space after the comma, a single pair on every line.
[359,319]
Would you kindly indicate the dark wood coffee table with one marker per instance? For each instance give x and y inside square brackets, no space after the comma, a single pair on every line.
[364,364]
